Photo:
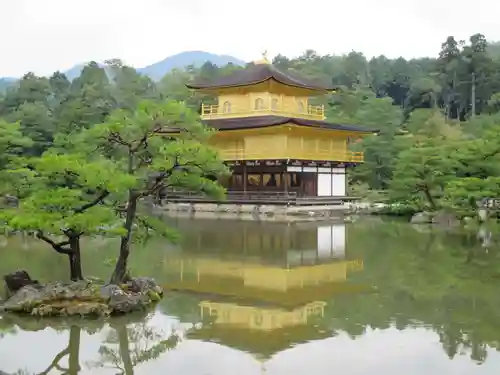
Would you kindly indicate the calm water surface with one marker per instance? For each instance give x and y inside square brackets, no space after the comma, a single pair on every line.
[371,297]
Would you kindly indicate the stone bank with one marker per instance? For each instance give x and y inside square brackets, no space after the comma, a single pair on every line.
[263,212]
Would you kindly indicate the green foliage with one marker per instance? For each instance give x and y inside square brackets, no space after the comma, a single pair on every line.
[363,107]
[12,141]
[60,192]
[419,174]
[156,140]
[463,194]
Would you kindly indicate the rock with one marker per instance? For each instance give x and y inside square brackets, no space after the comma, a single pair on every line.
[442,218]
[10,200]
[17,280]
[421,218]
[446,219]
[482,215]
[145,284]
[124,303]
[108,291]
[24,300]
[84,298]
[92,279]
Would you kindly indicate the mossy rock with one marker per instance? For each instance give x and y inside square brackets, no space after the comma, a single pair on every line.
[84,298]
[153,296]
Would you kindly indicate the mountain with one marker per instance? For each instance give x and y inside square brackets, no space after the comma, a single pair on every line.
[74,72]
[197,58]
[157,70]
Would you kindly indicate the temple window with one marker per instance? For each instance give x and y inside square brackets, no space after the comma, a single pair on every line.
[300,106]
[274,104]
[259,104]
[226,107]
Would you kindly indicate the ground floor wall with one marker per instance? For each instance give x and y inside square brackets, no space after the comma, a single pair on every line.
[303,178]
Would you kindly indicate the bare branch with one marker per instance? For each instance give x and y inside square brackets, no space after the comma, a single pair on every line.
[59,247]
[159,180]
[143,142]
[55,362]
[93,203]
[143,221]
[116,138]
[144,160]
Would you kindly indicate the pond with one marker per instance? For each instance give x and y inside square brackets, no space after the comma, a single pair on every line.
[371,297]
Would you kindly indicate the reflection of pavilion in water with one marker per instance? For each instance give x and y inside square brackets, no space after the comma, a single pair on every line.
[288,265]
[276,276]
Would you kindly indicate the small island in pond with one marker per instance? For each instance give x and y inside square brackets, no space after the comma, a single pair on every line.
[85,298]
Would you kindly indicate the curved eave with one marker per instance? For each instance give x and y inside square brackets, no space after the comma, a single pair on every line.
[322,90]
[258,122]
[255,122]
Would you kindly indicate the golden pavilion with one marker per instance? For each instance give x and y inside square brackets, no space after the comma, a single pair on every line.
[269,292]
[275,141]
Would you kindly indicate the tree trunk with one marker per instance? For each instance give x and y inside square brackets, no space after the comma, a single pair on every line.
[74,351]
[120,271]
[75,263]
[128,366]
[429,198]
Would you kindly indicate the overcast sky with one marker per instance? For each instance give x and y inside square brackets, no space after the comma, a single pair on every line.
[46,35]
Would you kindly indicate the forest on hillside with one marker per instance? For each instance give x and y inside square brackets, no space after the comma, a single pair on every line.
[439,118]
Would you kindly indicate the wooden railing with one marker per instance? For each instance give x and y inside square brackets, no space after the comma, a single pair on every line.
[312,112]
[290,198]
[341,156]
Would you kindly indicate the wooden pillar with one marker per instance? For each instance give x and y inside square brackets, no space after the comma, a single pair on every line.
[245,239]
[245,178]
[284,178]
[346,188]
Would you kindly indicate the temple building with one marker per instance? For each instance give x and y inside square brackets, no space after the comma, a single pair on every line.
[276,265]
[270,294]
[275,141]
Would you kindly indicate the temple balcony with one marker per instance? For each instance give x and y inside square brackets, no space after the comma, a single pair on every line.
[211,112]
[340,156]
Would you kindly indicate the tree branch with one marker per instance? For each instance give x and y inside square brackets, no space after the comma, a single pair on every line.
[158,184]
[93,203]
[144,140]
[55,362]
[116,138]
[143,221]
[159,179]
[59,247]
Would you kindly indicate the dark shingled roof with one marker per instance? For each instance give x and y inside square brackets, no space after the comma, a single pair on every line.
[257,73]
[263,344]
[267,121]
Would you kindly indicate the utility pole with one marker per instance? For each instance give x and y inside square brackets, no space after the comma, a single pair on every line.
[473,95]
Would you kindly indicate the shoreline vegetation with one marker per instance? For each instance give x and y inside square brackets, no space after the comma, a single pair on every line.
[78,158]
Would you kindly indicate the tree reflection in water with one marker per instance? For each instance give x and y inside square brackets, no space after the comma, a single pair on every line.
[130,342]
[73,353]
[127,346]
